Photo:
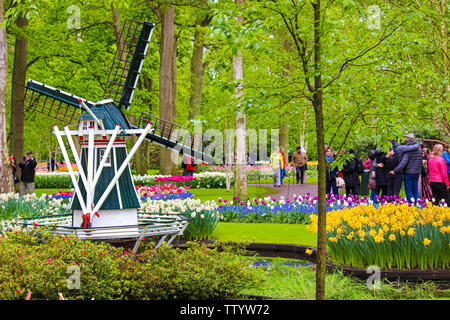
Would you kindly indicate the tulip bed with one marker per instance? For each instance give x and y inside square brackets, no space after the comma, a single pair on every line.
[390,236]
[199,180]
[163,192]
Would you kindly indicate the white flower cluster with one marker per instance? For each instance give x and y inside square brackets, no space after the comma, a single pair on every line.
[189,207]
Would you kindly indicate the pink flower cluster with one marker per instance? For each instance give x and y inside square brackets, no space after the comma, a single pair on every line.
[174,178]
[149,191]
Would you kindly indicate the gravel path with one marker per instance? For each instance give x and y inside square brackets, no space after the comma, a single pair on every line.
[288,190]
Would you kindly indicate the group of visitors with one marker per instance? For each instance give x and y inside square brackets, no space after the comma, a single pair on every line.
[278,164]
[424,174]
[347,175]
[28,170]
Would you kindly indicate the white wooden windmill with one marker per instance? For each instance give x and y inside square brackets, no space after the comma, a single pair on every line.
[105,196]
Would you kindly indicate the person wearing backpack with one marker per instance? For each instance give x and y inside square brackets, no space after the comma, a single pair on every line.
[394,181]
[411,166]
[380,172]
[351,175]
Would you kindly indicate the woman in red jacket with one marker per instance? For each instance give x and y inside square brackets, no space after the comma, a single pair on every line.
[437,170]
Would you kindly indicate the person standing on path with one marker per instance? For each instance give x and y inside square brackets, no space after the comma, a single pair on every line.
[332,173]
[394,181]
[299,160]
[446,157]
[188,166]
[350,175]
[283,167]
[28,166]
[381,176]
[411,165]
[13,164]
[439,181]
[276,162]
[424,181]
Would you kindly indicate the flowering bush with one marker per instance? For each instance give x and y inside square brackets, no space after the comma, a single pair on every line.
[204,217]
[398,236]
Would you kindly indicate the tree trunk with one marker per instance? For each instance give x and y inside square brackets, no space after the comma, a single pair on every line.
[197,69]
[167,81]
[284,135]
[240,168]
[6,182]
[317,102]
[304,131]
[18,92]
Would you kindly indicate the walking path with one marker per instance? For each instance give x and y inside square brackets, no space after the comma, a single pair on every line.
[288,190]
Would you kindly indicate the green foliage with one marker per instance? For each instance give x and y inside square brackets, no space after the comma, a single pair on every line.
[196,273]
[202,225]
[41,263]
[290,282]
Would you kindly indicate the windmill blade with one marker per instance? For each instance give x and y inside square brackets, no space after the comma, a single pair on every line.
[53,102]
[127,63]
[174,136]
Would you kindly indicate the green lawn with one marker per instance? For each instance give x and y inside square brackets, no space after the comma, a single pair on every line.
[265,233]
[39,192]
[291,180]
[214,194]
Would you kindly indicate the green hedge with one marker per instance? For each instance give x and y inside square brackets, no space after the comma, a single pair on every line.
[39,263]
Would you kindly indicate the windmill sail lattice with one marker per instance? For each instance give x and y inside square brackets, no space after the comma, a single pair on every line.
[127,62]
[52,102]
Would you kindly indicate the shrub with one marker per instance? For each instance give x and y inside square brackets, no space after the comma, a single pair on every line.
[196,273]
[38,262]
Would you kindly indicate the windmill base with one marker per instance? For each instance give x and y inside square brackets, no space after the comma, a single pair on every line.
[108,218]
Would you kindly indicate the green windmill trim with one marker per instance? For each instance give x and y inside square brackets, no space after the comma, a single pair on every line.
[124,197]
[110,115]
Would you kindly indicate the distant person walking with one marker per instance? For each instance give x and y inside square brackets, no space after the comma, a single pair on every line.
[276,162]
[28,166]
[299,160]
[439,181]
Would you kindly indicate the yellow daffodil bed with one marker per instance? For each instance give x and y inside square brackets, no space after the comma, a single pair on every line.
[390,236]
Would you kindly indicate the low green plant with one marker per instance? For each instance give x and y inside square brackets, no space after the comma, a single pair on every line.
[45,265]
[196,272]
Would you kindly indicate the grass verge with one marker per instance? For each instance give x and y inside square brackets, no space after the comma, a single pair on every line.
[265,233]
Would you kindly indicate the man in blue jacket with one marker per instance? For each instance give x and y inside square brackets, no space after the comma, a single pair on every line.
[446,157]
[410,164]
